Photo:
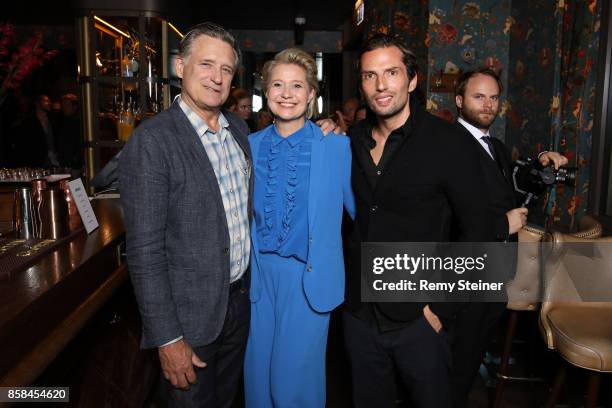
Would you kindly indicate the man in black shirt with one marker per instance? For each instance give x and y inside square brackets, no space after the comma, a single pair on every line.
[412,174]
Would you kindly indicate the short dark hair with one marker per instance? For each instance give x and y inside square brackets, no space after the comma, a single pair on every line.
[381,40]
[210,30]
[465,77]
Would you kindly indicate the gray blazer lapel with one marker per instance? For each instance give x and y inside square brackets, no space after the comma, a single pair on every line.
[188,135]
[242,140]
[240,137]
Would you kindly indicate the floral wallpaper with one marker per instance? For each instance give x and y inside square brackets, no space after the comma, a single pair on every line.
[551,90]
[533,37]
[530,77]
[465,35]
[572,103]
[546,52]
[406,18]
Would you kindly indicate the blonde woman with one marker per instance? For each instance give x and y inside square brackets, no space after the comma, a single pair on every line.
[302,183]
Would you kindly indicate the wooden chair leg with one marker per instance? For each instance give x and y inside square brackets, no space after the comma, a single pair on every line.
[592,390]
[505,359]
[557,385]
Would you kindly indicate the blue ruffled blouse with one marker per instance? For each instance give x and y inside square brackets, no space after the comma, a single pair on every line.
[282,180]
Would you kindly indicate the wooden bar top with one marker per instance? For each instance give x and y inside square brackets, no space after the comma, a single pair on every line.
[43,307]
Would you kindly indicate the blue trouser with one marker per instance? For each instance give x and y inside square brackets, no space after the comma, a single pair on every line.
[285,358]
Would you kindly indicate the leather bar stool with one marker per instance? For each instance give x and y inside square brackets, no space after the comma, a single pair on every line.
[526,289]
[579,329]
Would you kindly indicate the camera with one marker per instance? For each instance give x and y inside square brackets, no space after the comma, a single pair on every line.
[531,179]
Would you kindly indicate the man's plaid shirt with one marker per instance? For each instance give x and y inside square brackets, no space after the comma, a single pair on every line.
[233,172]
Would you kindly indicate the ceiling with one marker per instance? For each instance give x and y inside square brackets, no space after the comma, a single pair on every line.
[321,15]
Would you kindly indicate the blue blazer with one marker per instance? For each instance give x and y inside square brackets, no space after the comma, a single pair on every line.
[329,191]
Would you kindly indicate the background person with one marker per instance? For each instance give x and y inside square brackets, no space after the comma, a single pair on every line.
[477,97]
[68,133]
[244,106]
[34,140]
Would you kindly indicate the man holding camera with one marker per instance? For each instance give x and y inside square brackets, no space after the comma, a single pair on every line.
[477,96]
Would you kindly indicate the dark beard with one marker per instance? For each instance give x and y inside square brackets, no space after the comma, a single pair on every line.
[474,120]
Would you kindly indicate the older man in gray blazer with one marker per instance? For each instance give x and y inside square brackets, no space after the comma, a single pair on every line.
[185,182]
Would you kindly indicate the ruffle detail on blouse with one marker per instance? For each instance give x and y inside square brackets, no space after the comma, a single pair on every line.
[271,192]
[290,188]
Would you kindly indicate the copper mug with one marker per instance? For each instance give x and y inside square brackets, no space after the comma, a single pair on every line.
[23,213]
[52,214]
[74,218]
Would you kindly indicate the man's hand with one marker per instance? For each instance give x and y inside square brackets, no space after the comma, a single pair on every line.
[557,159]
[432,319]
[517,218]
[328,125]
[342,122]
[177,361]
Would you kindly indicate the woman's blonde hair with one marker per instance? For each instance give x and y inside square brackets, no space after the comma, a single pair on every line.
[303,60]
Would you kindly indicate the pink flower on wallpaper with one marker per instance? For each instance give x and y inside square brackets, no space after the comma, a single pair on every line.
[445,114]
[384,29]
[539,147]
[570,155]
[494,63]
[401,20]
[447,34]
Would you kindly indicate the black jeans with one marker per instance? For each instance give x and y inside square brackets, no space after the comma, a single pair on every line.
[415,354]
[218,382]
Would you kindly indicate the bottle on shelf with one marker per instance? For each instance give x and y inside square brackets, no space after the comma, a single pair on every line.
[125,123]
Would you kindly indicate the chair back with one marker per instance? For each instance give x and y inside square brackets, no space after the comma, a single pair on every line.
[577,272]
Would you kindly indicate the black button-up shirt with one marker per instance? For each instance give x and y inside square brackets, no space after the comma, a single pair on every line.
[371,312]
[367,143]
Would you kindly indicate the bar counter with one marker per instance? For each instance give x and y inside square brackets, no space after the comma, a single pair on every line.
[44,306]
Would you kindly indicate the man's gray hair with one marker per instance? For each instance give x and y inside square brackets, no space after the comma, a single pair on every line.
[210,30]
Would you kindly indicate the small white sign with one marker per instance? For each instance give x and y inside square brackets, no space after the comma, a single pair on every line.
[83,205]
